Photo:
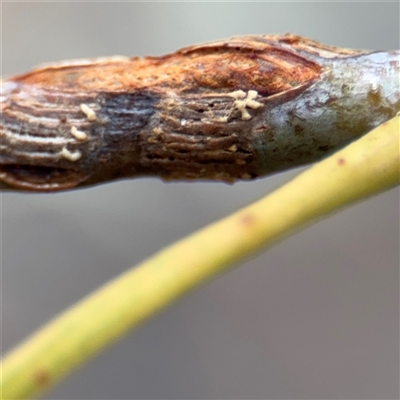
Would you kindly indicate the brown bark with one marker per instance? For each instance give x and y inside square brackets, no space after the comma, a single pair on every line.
[228,110]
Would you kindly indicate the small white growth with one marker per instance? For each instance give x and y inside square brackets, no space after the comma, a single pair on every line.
[253,104]
[71,156]
[221,119]
[80,135]
[89,112]
[241,106]
[183,122]
[252,94]
[248,101]
[238,94]
[232,148]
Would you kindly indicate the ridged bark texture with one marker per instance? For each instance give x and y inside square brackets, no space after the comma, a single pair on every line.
[230,110]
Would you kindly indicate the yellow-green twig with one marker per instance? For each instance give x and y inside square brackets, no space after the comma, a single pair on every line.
[363,168]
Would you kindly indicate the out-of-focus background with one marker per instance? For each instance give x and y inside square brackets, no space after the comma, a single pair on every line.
[317,316]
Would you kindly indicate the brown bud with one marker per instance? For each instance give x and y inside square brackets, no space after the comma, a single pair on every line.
[228,110]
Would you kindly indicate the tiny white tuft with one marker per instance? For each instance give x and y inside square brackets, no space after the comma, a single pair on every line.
[249,101]
[89,112]
[232,148]
[80,135]
[253,104]
[71,156]
[238,94]
[252,94]
[241,106]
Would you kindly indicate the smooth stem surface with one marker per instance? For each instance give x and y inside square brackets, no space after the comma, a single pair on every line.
[362,169]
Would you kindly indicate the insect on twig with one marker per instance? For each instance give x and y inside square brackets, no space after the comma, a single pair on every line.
[228,110]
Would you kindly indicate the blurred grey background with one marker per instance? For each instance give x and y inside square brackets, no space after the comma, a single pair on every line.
[315,317]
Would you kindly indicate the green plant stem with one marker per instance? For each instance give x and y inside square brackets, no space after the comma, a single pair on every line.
[362,169]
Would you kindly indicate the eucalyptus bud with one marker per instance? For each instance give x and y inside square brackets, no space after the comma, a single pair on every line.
[229,110]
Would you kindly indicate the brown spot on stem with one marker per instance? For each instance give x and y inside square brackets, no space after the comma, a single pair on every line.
[248,219]
[41,377]
[341,161]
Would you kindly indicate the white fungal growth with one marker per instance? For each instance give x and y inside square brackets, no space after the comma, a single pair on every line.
[89,112]
[80,135]
[71,156]
[232,148]
[239,94]
[249,101]
[241,106]
[252,94]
